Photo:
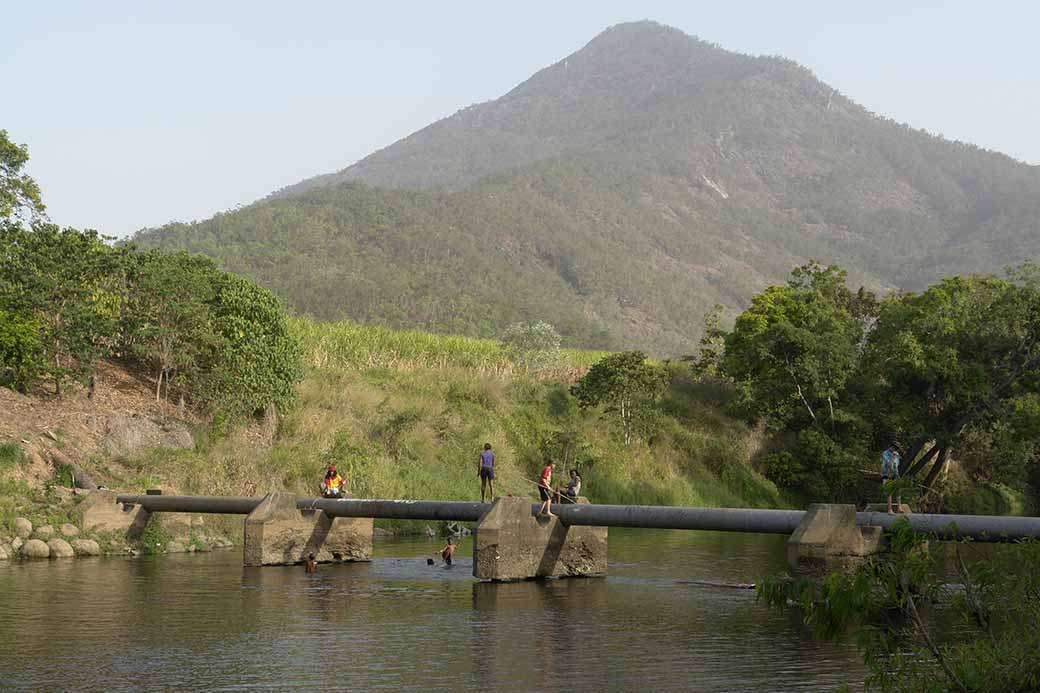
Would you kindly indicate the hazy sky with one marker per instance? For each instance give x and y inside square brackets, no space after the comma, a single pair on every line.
[138,113]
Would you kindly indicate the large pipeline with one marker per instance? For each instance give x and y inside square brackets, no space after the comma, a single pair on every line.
[447,511]
[228,505]
[977,527]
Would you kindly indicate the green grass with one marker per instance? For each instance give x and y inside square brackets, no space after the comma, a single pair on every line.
[350,345]
[415,432]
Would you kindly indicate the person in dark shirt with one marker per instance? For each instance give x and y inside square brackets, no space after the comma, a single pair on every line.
[486,472]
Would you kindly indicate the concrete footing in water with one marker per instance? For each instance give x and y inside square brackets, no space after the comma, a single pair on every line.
[277,533]
[828,539]
[512,544]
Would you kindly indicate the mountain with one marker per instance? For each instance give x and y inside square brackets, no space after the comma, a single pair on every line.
[619,194]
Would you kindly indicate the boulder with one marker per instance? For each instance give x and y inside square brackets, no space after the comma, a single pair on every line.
[44,533]
[34,548]
[86,547]
[5,552]
[60,548]
[69,530]
[16,544]
[128,436]
[175,547]
[22,527]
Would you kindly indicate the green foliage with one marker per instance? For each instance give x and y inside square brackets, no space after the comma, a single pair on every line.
[836,377]
[154,537]
[11,456]
[19,194]
[793,351]
[72,285]
[254,359]
[21,351]
[628,386]
[168,314]
[68,299]
[534,346]
[960,363]
[347,344]
[921,632]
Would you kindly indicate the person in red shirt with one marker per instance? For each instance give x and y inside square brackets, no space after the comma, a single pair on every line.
[545,489]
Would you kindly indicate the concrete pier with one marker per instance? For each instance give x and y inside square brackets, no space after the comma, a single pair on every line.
[513,544]
[279,533]
[828,538]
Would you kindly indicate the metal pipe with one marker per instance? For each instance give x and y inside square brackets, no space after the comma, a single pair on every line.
[672,517]
[459,511]
[977,527]
[231,505]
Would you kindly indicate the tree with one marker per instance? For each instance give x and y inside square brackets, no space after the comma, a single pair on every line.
[712,345]
[254,360]
[535,346]
[959,363]
[889,605]
[69,282]
[21,352]
[626,384]
[169,312]
[796,346]
[19,193]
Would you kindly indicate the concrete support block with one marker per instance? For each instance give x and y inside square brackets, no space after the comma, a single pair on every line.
[828,539]
[512,544]
[276,533]
[100,512]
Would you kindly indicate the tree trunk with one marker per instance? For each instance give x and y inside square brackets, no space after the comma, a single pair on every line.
[914,468]
[158,383]
[914,451]
[943,458]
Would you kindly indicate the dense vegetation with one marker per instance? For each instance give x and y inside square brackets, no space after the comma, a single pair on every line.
[621,193]
[932,617]
[837,376]
[68,300]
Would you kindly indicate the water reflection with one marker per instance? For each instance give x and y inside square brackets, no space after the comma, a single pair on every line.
[203,622]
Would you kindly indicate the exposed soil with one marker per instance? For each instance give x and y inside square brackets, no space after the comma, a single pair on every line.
[73,423]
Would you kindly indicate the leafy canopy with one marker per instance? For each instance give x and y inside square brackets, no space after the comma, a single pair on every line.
[627,385]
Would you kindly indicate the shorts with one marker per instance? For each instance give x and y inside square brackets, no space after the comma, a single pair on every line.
[487,473]
[543,492]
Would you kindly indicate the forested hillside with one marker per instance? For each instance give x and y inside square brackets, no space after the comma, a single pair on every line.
[622,192]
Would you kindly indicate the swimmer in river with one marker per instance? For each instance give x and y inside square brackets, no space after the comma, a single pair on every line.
[312,565]
[448,550]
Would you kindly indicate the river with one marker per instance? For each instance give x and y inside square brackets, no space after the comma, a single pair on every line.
[203,622]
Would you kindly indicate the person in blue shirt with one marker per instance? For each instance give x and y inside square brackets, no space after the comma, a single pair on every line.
[890,460]
[486,471]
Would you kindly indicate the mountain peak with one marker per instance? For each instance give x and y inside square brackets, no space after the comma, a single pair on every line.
[621,192]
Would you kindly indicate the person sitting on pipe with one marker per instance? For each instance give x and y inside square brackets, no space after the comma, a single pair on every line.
[332,484]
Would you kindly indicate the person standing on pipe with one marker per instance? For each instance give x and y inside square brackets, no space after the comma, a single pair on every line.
[545,489]
[486,471]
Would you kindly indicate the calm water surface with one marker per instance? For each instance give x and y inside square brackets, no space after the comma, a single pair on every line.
[203,622]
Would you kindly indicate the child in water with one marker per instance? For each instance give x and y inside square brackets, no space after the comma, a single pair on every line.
[448,550]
